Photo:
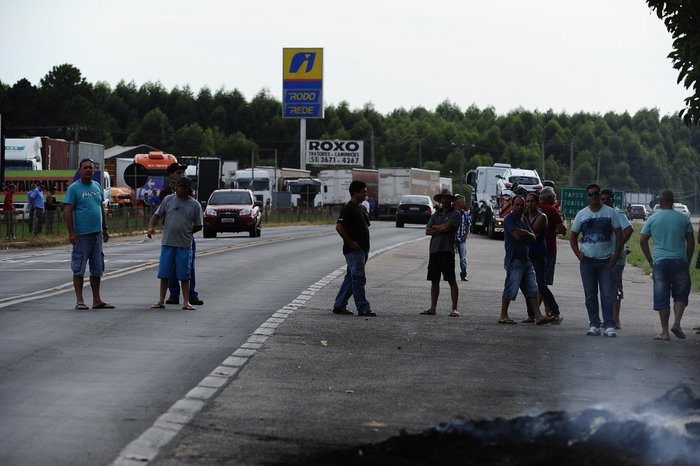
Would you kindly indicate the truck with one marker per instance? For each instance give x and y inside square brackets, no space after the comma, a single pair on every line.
[335,185]
[487,210]
[257,180]
[394,183]
[206,176]
[23,154]
[156,163]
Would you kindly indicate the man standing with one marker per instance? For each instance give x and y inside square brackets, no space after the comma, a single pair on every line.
[52,206]
[442,226]
[175,172]
[520,274]
[674,245]
[182,217]
[461,235]
[353,227]
[601,243]
[8,210]
[555,226]
[607,197]
[87,229]
[35,201]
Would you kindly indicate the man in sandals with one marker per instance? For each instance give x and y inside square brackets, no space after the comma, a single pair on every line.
[87,230]
[442,227]
[520,273]
[184,219]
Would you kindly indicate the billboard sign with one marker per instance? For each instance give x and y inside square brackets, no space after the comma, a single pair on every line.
[334,152]
[302,83]
[575,199]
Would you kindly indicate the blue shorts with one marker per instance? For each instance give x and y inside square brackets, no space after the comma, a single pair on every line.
[88,248]
[671,278]
[520,274]
[175,262]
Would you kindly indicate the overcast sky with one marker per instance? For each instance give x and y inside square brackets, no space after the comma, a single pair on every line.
[567,55]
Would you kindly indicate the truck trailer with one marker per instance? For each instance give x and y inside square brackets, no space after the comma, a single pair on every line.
[394,183]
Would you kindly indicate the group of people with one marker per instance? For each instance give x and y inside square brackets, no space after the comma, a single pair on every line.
[598,236]
[43,210]
[87,228]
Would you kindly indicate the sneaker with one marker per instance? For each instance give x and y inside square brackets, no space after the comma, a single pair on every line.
[344,311]
[594,332]
[172,300]
[610,332]
[196,301]
[367,314]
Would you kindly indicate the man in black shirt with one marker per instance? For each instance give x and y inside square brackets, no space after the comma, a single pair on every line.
[353,227]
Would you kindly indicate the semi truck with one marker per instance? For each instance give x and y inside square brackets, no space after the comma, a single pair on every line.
[394,183]
[335,185]
[487,210]
[257,180]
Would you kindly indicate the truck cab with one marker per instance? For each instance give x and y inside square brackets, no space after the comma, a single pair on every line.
[486,215]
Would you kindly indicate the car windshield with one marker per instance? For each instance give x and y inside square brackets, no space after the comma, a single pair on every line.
[523,180]
[415,200]
[229,198]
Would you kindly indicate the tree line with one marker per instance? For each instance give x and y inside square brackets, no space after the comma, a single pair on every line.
[639,153]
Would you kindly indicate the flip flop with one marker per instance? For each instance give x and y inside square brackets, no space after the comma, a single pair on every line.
[528,320]
[507,321]
[660,338]
[454,314]
[81,307]
[188,307]
[428,313]
[678,333]
[158,306]
[103,306]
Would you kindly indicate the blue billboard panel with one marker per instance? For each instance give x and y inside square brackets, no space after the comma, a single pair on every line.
[302,99]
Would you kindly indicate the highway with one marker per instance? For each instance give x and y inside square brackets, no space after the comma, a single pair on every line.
[77,386]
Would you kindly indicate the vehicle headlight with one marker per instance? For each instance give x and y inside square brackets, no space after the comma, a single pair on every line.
[210,211]
[245,212]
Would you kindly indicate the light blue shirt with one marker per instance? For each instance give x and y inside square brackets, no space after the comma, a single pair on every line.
[597,231]
[86,200]
[35,198]
[667,229]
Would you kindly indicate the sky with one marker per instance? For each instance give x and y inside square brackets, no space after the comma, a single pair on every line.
[566,55]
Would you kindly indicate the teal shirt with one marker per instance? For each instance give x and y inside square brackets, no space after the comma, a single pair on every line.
[86,200]
[667,229]
[596,231]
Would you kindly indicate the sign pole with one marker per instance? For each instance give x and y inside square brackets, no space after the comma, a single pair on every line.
[302,144]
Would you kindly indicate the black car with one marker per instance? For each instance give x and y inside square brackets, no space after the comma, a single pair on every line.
[414,209]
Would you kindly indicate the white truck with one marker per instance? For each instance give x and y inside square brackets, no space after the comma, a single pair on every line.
[486,215]
[23,154]
[257,180]
[394,183]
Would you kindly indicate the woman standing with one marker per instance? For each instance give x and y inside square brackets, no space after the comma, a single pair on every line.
[8,211]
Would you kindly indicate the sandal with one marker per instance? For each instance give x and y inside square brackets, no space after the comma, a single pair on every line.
[81,307]
[454,313]
[507,321]
[428,313]
[545,320]
[158,306]
[188,307]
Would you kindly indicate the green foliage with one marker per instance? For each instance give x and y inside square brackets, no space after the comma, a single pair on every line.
[682,19]
[640,152]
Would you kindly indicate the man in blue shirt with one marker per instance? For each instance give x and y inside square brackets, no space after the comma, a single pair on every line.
[674,245]
[601,243]
[35,202]
[87,229]
[461,235]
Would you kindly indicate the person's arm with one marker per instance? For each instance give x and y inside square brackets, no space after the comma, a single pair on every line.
[343,232]
[627,234]
[644,244]
[152,225]
[540,224]
[689,246]
[618,247]
[573,242]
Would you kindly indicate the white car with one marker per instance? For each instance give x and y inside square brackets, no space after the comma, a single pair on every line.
[682,208]
[526,179]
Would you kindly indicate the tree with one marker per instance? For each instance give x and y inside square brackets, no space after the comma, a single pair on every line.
[682,19]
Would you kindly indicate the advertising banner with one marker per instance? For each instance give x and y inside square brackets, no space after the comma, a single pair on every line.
[335,152]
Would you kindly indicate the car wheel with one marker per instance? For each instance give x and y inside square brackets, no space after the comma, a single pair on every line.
[209,233]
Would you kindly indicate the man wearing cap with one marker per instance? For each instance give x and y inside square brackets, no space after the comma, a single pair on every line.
[442,227]
[175,172]
[182,219]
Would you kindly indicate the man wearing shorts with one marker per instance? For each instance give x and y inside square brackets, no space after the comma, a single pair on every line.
[442,227]
[184,219]
[520,273]
[674,245]
[87,229]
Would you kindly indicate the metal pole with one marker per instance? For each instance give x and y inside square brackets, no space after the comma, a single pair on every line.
[302,143]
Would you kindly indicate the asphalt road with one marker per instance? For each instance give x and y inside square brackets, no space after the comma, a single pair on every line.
[77,386]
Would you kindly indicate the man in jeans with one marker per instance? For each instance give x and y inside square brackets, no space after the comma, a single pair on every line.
[598,253]
[353,227]
[461,235]
[674,245]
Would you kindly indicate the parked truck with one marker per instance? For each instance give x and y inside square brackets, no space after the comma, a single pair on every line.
[257,180]
[394,183]
[487,210]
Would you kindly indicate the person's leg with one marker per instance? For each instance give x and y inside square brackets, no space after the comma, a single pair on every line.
[345,291]
[454,293]
[78,287]
[680,291]
[590,290]
[97,266]
[434,294]
[95,287]
[356,263]
[462,249]
[78,264]
[605,282]
[504,310]
[617,293]
[664,315]
[174,288]
[514,272]
[162,291]
[662,296]
[550,304]
[194,296]
[185,293]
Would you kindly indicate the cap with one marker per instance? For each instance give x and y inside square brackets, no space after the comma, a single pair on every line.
[176,166]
